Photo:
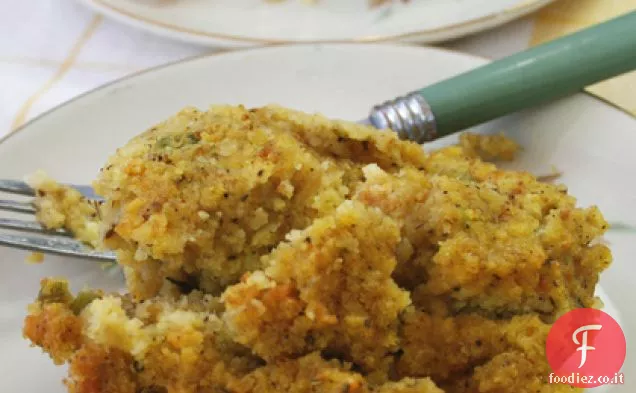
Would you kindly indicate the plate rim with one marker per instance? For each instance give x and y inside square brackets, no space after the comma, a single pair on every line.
[440,34]
[225,52]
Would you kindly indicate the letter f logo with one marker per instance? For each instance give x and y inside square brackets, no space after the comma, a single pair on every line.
[583,344]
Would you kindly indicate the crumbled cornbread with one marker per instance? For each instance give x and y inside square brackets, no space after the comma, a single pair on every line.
[59,206]
[488,147]
[329,288]
[203,196]
[35,258]
[480,239]
[269,250]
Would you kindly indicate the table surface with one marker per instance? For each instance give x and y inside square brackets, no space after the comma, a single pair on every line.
[53,50]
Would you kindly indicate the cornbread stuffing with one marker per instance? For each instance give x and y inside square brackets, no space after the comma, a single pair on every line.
[59,206]
[328,288]
[268,250]
[35,258]
[202,197]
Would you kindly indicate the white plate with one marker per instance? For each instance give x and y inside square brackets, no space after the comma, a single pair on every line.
[590,141]
[257,22]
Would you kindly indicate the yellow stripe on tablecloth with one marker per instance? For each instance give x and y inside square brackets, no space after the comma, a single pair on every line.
[62,70]
[567,16]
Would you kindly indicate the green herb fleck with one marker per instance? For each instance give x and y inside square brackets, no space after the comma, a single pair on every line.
[193,138]
[55,291]
[83,299]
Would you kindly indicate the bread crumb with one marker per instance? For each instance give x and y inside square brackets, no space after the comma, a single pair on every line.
[35,258]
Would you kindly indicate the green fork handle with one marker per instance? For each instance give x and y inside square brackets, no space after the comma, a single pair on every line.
[541,74]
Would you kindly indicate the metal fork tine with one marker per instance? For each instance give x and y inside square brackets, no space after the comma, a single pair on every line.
[16,187]
[18,207]
[31,226]
[87,191]
[55,245]
[58,241]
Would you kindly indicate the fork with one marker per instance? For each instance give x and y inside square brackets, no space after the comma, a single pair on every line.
[58,241]
[536,76]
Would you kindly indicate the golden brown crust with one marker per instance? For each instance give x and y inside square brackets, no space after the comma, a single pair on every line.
[209,193]
[56,329]
[470,353]
[349,261]
[479,239]
[313,374]
[496,147]
[310,373]
[450,346]
[116,346]
[94,369]
[410,385]
[329,288]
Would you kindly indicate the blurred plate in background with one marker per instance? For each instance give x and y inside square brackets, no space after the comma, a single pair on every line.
[235,23]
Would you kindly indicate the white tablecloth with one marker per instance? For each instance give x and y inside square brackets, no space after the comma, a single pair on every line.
[53,50]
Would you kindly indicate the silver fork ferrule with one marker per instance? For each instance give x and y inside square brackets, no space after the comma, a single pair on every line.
[409,116]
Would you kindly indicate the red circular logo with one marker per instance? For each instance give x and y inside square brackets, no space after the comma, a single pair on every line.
[585,348]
